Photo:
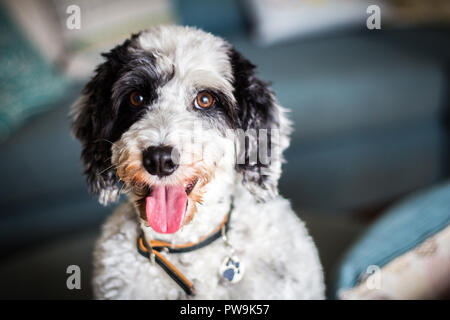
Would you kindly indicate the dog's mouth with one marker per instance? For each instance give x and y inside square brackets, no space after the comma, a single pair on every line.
[165,206]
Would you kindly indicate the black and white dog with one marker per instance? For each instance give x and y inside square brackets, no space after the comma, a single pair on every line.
[175,118]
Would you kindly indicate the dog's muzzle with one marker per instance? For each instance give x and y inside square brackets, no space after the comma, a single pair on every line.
[165,205]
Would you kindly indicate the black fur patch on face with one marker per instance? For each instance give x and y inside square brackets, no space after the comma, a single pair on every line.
[108,113]
[255,109]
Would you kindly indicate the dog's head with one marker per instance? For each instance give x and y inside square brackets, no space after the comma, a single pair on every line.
[171,112]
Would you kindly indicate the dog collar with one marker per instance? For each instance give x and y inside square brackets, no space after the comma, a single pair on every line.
[153,250]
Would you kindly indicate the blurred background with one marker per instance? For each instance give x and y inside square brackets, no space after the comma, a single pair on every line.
[368,163]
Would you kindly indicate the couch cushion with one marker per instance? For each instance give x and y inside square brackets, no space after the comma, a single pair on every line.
[355,82]
[43,191]
[367,109]
[349,172]
[221,17]
[402,228]
[28,83]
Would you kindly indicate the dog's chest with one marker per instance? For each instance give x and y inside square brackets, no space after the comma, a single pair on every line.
[278,256]
[204,268]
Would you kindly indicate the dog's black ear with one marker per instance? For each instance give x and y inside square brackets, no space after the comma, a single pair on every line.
[264,125]
[93,118]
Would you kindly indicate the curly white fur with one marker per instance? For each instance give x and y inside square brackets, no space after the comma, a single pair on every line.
[280,257]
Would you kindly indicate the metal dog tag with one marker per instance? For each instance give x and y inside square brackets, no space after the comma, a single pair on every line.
[231,269]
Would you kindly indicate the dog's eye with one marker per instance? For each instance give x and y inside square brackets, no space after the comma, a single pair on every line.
[136,98]
[203,100]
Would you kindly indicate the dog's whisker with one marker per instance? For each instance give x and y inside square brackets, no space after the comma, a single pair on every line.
[112,166]
[106,169]
[122,188]
[106,140]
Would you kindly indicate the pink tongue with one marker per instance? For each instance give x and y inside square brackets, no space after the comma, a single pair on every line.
[165,208]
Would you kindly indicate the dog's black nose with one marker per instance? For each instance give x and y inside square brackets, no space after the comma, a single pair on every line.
[158,160]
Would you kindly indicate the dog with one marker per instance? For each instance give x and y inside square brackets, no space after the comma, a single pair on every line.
[173,118]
